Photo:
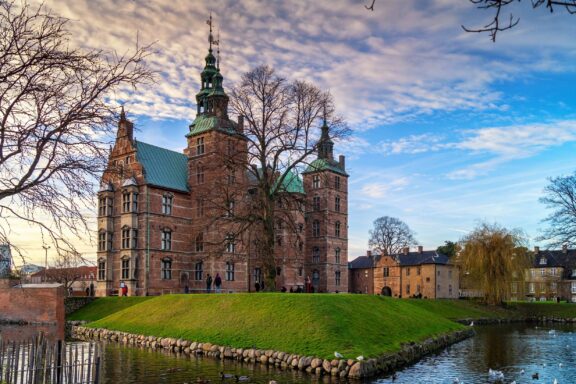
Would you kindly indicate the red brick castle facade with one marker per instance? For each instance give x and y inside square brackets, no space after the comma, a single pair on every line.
[165,219]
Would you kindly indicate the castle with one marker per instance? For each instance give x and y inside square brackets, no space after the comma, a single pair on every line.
[166,219]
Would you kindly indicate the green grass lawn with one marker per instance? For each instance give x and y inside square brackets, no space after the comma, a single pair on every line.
[305,324]
[105,306]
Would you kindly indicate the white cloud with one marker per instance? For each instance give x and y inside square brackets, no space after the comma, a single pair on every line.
[381,189]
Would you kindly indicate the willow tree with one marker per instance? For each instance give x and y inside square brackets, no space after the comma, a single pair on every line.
[492,258]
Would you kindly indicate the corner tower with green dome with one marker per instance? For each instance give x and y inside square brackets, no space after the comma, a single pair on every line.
[326,188]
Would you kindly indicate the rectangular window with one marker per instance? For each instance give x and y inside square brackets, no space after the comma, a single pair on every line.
[337,182]
[199,174]
[230,244]
[126,238]
[573,287]
[134,202]
[134,242]
[166,240]
[229,271]
[337,278]
[316,203]
[533,272]
[126,202]
[337,203]
[407,289]
[230,208]
[199,207]
[102,241]
[166,269]
[450,289]
[553,287]
[337,255]
[231,178]
[102,206]
[542,287]
[125,268]
[316,181]
[386,271]
[200,146]
[315,255]
[531,288]
[418,270]
[167,204]
[553,271]
[337,229]
[450,273]
[316,228]
[257,275]
[542,271]
[408,271]
[198,271]
[514,287]
[101,270]
[200,242]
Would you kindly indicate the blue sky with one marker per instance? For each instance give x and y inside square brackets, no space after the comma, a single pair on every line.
[449,128]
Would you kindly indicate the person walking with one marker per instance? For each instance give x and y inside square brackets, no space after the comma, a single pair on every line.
[208,283]
[218,283]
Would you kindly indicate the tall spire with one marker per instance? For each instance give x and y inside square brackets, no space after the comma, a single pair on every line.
[325,144]
[210,38]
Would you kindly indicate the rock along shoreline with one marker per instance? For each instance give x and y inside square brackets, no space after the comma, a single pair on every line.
[409,353]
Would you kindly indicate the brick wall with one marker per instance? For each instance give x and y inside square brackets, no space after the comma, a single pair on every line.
[32,305]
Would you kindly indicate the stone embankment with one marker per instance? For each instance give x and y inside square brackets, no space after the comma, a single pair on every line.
[530,320]
[409,354]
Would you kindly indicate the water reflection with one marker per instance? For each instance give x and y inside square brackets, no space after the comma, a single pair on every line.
[516,350]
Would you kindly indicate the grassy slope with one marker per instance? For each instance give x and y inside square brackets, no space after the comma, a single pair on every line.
[306,324]
[105,306]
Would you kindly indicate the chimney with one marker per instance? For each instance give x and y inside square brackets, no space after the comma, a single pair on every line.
[536,250]
[342,162]
[241,124]
[405,250]
[565,248]
[369,253]
[420,249]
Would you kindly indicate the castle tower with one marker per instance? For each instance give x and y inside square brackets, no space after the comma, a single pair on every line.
[326,186]
[216,151]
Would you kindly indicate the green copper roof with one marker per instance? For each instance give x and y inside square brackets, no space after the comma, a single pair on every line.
[292,183]
[325,165]
[204,123]
[163,168]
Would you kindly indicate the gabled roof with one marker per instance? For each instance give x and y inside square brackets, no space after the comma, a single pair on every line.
[556,259]
[325,164]
[361,262]
[163,167]
[426,257]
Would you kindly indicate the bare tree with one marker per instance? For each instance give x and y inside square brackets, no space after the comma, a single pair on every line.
[492,258]
[501,23]
[390,235]
[54,121]
[281,125]
[67,268]
[560,196]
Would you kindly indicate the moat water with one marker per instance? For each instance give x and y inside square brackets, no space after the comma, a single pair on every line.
[518,351]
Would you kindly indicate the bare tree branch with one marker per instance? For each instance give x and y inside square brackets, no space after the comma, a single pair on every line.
[54,120]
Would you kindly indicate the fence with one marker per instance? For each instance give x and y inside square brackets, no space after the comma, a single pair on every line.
[42,362]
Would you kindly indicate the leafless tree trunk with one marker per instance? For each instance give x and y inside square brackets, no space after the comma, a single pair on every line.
[55,123]
[282,122]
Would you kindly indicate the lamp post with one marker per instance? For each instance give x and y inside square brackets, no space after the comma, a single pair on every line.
[46,248]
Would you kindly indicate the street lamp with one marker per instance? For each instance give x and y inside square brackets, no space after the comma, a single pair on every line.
[46,248]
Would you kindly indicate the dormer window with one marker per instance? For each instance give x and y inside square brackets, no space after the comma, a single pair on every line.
[542,261]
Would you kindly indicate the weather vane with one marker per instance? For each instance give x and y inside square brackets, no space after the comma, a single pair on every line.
[210,36]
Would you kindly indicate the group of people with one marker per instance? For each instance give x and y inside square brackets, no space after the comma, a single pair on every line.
[217,283]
